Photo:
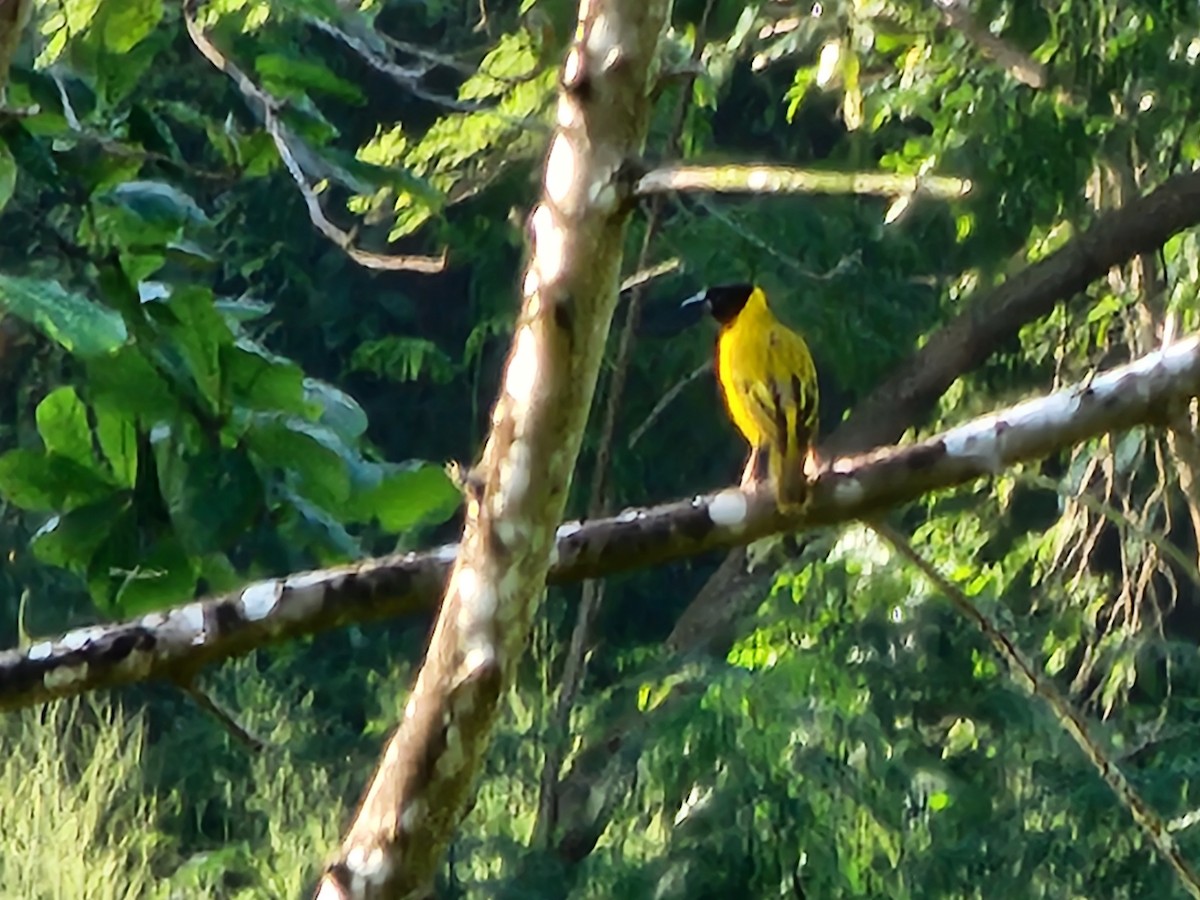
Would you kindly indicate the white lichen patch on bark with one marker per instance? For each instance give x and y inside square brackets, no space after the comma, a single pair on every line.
[728,508]
[257,601]
[550,247]
[560,169]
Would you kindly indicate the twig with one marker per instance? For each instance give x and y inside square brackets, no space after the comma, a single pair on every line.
[853,258]
[411,77]
[1096,505]
[1020,66]
[767,179]
[666,400]
[1157,831]
[228,722]
[658,270]
[269,107]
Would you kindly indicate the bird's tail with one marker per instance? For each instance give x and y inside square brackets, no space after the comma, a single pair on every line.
[788,475]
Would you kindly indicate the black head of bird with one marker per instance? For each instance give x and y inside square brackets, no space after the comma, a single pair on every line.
[722,302]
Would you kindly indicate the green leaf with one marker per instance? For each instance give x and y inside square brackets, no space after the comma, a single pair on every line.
[71,540]
[165,576]
[313,526]
[289,75]
[8,175]
[48,482]
[80,325]
[211,496]
[409,495]
[403,359]
[243,309]
[116,433]
[161,206]
[62,421]
[512,58]
[200,333]
[257,379]
[313,459]
[127,383]
[126,24]
[339,411]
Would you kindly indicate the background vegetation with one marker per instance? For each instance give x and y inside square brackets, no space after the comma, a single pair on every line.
[200,388]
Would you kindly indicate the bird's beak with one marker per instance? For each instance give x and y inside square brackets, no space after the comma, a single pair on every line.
[692,309]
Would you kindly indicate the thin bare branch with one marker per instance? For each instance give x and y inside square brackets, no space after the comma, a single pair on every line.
[666,400]
[645,275]
[1019,65]
[410,77]
[1107,510]
[268,107]
[180,641]
[1151,824]
[768,179]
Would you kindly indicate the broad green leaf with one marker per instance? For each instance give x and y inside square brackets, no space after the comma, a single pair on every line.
[62,421]
[257,379]
[71,539]
[313,459]
[243,309]
[127,23]
[311,525]
[116,432]
[159,205]
[212,496]
[409,495]
[199,333]
[339,411]
[288,75]
[219,573]
[78,324]
[126,382]
[165,576]
[49,483]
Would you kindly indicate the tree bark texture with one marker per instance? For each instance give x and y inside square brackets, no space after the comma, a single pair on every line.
[517,493]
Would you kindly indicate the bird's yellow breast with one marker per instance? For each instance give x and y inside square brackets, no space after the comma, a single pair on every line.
[765,371]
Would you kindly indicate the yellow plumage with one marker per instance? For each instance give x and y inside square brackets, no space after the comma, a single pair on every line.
[769,385]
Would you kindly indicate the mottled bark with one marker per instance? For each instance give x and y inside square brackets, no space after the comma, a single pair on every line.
[420,789]
[14,16]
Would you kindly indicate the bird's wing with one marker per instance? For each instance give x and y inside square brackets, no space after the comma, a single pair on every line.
[783,400]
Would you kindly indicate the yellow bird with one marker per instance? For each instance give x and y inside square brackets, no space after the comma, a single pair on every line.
[769,385]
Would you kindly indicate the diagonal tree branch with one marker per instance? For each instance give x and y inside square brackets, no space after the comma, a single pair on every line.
[1069,719]
[268,107]
[904,399]
[420,790]
[185,639]
[1142,225]
[1019,65]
